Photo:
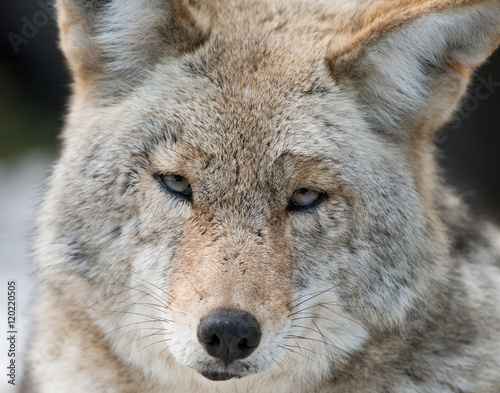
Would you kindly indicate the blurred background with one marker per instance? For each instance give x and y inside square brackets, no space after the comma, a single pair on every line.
[33,93]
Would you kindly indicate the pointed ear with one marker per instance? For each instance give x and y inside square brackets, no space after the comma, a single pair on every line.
[110,44]
[410,61]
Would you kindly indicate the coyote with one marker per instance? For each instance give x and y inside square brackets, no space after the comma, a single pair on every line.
[247,200]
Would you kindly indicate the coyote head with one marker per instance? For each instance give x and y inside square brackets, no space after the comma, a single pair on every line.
[247,188]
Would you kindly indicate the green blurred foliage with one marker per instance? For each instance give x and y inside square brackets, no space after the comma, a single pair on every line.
[26,121]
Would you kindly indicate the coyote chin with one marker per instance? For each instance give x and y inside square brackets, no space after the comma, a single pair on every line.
[247,200]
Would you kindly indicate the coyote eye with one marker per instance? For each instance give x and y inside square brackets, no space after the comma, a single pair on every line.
[305,199]
[176,184]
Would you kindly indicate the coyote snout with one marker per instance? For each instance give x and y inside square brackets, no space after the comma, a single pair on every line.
[228,335]
[231,289]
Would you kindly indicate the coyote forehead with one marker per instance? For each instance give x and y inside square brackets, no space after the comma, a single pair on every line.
[247,191]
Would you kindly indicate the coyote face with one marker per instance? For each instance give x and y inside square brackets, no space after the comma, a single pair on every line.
[249,207]
[247,188]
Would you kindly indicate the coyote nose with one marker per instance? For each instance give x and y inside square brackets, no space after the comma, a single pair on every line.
[229,334]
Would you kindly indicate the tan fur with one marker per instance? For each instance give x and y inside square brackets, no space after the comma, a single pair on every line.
[386,285]
[381,18]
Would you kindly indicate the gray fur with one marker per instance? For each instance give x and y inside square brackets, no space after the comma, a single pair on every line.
[388,285]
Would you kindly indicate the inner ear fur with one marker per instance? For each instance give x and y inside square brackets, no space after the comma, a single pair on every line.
[410,61]
[110,44]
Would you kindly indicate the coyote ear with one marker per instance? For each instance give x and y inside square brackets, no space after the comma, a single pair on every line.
[113,42]
[410,61]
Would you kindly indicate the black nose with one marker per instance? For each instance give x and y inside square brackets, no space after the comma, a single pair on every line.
[229,334]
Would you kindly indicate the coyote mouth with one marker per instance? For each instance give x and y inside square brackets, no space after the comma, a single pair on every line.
[216,376]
